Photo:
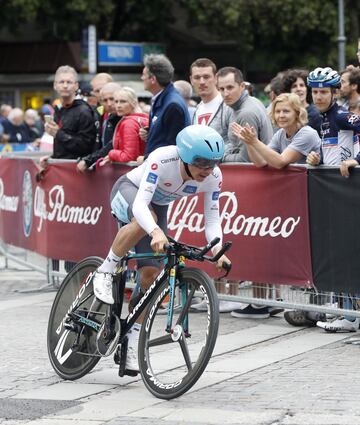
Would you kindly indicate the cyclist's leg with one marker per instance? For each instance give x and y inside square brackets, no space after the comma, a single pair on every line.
[148,268]
[122,198]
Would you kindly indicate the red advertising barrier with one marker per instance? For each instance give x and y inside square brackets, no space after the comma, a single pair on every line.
[66,215]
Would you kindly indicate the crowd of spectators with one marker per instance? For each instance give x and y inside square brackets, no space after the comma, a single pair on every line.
[101,121]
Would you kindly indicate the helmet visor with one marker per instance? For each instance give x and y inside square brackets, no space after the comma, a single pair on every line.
[205,163]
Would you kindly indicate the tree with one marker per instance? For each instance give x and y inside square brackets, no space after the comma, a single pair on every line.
[269,35]
[278,33]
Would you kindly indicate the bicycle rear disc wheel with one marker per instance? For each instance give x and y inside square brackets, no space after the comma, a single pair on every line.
[171,362]
[75,294]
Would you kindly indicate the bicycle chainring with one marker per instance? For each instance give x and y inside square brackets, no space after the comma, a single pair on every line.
[108,336]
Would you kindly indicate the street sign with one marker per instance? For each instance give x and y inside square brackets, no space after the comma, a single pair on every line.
[113,53]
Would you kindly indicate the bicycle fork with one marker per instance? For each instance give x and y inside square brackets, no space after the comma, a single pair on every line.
[184,302]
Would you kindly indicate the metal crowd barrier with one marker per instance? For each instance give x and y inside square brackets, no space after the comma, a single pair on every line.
[284,296]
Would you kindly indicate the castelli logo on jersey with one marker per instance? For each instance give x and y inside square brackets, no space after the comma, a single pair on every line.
[55,209]
[154,166]
[183,216]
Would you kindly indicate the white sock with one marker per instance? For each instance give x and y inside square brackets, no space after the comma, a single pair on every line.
[110,263]
[133,334]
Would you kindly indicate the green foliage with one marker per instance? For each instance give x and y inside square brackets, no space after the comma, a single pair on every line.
[271,34]
[14,13]
[279,33]
[136,20]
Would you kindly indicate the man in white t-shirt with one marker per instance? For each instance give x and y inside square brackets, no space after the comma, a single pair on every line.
[211,111]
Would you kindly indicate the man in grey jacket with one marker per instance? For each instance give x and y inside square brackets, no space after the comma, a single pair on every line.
[245,109]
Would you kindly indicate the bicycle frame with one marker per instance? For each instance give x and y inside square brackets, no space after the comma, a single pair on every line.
[168,272]
[172,260]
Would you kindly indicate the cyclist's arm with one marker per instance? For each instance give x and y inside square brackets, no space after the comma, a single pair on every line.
[212,224]
[141,209]
[211,211]
[348,121]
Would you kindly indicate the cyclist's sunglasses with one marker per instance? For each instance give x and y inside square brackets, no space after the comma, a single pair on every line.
[205,163]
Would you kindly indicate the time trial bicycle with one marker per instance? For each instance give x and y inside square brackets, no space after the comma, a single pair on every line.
[174,348]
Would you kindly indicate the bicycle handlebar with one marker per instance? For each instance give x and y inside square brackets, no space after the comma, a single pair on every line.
[207,247]
[225,247]
[196,253]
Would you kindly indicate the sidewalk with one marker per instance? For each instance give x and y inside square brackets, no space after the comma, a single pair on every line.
[262,372]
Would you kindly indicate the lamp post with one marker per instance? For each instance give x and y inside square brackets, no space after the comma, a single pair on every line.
[341,37]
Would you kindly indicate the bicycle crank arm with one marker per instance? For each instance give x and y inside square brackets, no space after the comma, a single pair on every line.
[80,320]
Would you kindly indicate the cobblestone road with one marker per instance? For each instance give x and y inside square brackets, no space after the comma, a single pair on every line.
[262,373]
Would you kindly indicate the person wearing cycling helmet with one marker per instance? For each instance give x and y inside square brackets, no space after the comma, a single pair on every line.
[339,127]
[140,200]
[339,143]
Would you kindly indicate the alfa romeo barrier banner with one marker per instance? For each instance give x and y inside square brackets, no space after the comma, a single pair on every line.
[264,214]
[66,215]
[334,203]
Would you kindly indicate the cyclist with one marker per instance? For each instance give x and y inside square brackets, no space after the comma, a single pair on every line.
[339,143]
[141,198]
[339,127]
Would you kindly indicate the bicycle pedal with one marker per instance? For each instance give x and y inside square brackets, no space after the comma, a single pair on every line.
[121,355]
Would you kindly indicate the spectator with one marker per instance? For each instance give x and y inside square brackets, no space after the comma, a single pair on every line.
[34,126]
[290,144]
[86,93]
[185,89]
[250,88]
[110,120]
[274,88]
[350,86]
[74,125]
[15,130]
[46,108]
[126,145]
[110,117]
[245,109]
[98,82]
[4,112]
[337,147]
[294,81]
[212,110]
[169,113]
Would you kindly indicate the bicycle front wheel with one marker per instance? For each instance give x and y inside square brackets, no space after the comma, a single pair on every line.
[172,360]
[73,354]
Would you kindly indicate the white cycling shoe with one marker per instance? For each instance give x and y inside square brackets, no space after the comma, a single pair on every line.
[103,284]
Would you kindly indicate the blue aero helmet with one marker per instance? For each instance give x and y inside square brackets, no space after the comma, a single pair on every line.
[200,146]
[324,77]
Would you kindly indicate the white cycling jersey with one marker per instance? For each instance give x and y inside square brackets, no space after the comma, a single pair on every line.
[159,181]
